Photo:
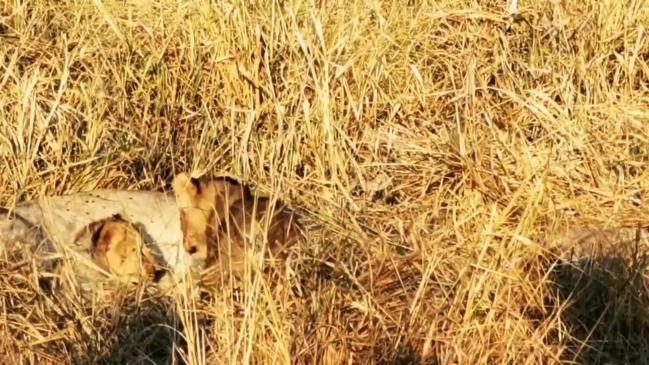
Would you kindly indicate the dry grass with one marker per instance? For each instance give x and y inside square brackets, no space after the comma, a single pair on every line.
[435,148]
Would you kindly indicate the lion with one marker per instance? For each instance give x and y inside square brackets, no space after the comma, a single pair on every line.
[219,217]
[117,247]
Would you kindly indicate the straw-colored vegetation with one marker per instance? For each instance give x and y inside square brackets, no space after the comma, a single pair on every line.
[435,147]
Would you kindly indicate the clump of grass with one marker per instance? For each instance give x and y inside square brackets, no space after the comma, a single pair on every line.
[434,145]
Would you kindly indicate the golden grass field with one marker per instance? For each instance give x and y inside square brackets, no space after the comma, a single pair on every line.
[439,150]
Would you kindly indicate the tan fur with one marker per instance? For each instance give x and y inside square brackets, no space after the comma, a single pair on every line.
[218,217]
[203,207]
[117,247]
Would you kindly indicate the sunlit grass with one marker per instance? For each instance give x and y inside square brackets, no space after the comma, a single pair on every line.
[435,147]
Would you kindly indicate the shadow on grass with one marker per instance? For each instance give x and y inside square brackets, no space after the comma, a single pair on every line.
[607,301]
[137,333]
[39,325]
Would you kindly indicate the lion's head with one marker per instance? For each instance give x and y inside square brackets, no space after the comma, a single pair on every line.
[118,248]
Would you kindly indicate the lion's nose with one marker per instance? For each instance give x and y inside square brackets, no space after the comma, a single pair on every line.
[158,275]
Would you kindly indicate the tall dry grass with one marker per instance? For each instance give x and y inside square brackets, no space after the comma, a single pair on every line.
[436,146]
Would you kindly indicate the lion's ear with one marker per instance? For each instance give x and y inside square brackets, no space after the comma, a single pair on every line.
[186,188]
[196,184]
[101,237]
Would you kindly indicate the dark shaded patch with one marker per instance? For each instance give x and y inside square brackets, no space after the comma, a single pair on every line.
[96,235]
[230,180]
[46,284]
[300,170]
[392,199]
[197,184]
[158,275]
[404,355]
[607,298]
[144,333]
[378,195]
